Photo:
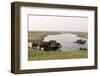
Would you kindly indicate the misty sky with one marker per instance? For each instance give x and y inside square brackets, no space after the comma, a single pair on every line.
[57,23]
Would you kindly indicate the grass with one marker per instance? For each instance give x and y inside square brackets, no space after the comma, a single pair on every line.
[37,37]
[81,34]
[41,55]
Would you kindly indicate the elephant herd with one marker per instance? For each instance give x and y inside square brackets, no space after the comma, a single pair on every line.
[80,41]
[51,45]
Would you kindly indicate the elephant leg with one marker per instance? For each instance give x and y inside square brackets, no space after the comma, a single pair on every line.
[46,49]
[37,47]
[40,48]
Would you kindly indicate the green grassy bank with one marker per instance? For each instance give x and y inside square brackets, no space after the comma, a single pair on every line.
[41,55]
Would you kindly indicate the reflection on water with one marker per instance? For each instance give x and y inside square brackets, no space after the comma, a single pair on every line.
[67,41]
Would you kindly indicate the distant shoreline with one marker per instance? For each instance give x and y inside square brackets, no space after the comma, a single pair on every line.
[81,34]
[37,37]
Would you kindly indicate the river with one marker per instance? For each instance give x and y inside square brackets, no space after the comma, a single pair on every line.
[67,41]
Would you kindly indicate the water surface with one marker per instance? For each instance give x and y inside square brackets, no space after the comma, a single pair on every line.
[67,41]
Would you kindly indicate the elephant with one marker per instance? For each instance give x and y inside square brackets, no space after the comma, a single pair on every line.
[34,45]
[44,45]
[83,48]
[50,45]
[55,46]
[80,41]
